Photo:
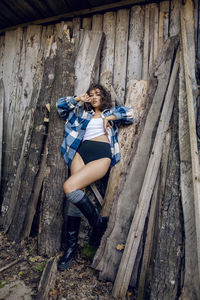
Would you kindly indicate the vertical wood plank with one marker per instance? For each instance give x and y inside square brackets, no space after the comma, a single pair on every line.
[145,277]
[87,60]
[120,63]
[187,21]
[76,31]
[107,60]
[191,280]
[87,23]
[145,71]
[135,43]
[164,11]
[97,22]
[175,17]
[2,99]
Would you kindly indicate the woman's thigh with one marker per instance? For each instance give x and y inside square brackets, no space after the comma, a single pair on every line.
[88,174]
[77,164]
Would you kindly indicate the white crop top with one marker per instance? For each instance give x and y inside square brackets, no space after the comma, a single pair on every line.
[94,129]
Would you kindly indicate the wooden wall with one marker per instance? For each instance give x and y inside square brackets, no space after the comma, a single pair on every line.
[133,38]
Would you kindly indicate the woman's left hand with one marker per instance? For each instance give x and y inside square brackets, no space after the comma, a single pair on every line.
[106,124]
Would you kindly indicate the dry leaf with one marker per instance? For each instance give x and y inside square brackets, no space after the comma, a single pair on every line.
[120,247]
[48,106]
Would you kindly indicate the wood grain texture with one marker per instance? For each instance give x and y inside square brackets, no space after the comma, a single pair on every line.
[135,43]
[107,60]
[137,227]
[124,203]
[120,61]
[87,60]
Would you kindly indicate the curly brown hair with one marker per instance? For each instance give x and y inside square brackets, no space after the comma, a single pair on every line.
[105,97]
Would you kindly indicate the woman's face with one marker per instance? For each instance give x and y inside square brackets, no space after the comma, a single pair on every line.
[95,97]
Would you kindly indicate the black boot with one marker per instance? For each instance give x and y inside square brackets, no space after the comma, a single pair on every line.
[73,225]
[98,223]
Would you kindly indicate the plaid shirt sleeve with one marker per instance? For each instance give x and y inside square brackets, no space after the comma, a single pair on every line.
[65,105]
[124,115]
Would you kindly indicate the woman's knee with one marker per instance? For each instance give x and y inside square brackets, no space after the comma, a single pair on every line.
[68,187]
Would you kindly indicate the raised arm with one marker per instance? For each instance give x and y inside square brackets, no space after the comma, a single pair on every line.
[66,104]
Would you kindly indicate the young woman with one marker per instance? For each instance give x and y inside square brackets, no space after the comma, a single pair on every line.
[90,148]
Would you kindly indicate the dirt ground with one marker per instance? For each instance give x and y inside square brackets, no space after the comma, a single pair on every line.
[21,280]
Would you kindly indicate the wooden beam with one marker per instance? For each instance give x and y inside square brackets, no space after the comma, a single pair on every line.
[145,71]
[78,13]
[2,96]
[47,280]
[188,52]
[87,60]
[137,226]
[107,60]
[191,277]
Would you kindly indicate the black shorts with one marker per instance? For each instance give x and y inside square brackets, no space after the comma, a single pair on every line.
[93,150]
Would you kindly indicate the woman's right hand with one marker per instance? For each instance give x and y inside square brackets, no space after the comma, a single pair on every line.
[83,97]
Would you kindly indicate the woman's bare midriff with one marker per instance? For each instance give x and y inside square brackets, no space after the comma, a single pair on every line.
[101,138]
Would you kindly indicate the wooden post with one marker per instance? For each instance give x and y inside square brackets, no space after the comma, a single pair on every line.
[120,62]
[188,59]
[97,23]
[145,277]
[145,71]
[2,97]
[136,99]
[137,226]
[191,272]
[107,60]
[47,281]
[87,60]
[87,23]
[135,43]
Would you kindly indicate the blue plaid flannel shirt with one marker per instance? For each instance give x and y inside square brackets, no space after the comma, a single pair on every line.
[77,119]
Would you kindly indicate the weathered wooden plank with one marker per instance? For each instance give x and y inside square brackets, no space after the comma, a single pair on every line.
[120,61]
[87,23]
[13,45]
[155,36]
[145,273]
[136,99]
[97,22]
[86,60]
[107,60]
[18,95]
[174,22]
[145,71]
[148,243]
[128,259]
[191,277]
[48,278]
[76,32]
[124,203]
[52,194]
[97,25]
[2,99]
[167,256]
[135,43]
[33,137]
[164,8]
[188,62]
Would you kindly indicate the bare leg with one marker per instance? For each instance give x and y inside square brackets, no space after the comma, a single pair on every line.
[86,174]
